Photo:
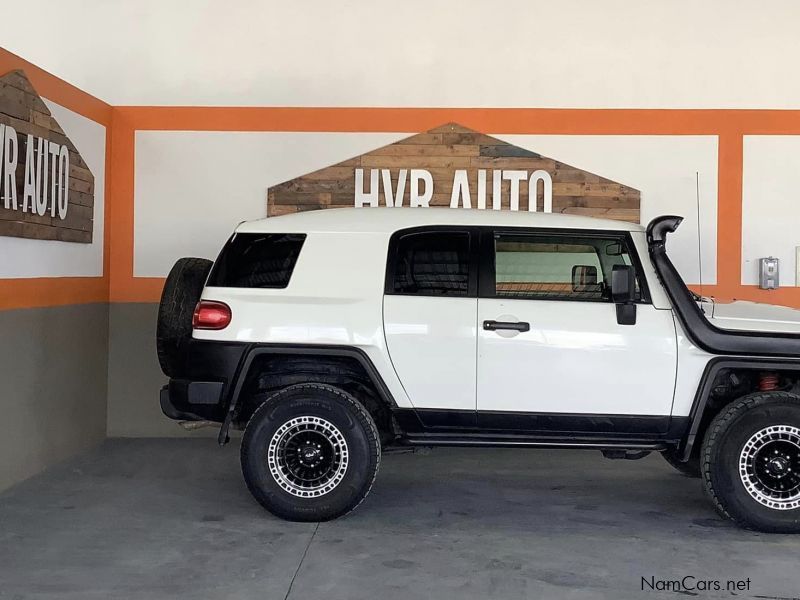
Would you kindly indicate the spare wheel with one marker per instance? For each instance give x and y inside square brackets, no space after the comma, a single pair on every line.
[181,293]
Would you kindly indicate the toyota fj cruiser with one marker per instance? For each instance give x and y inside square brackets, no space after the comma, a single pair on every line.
[332,334]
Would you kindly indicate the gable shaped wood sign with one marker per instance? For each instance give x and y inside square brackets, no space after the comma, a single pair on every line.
[460,168]
[46,188]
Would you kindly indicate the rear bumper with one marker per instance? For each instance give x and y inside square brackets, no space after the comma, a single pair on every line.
[201,391]
[184,400]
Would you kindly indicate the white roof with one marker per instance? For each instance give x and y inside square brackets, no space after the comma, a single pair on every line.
[388,220]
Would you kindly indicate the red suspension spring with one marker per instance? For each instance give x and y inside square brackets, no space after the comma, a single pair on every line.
[768,382]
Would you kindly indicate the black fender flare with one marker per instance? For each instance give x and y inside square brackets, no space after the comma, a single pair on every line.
[255,350]
[713,368]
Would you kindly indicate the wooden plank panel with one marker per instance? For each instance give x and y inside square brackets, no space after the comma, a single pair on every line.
[443,150]
[451,128]
[76,197]
[75,172]
[284,209]
[507,150]
[42,119]
[316,198]
[471,137]
[426,150]
[72,235]
[22,109]
[610,202]
[423,138]
[510,162]
[85,187]
[454,162]
[336,172]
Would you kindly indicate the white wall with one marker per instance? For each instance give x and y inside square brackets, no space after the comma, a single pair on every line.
[570,53]
[23,258]
[770,205]
[665,170]
[193,188]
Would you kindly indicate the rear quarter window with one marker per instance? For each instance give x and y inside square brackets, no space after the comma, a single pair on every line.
[257,260]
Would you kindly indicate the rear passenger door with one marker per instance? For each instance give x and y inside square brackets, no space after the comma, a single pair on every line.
[551,353]
[430,314]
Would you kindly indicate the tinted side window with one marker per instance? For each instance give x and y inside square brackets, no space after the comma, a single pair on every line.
[557,267]
[431,263]
[257,260]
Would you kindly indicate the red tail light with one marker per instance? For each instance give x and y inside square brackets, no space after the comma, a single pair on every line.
[209,314]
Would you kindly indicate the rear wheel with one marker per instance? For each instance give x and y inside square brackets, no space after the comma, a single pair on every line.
[751,462]
[310,452]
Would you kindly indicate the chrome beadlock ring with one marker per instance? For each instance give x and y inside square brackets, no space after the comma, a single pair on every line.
[769,467]
[307,456]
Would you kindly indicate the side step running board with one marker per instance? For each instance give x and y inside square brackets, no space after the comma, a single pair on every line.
[527,442]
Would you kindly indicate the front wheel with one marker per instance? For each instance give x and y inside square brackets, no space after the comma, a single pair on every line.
[310,453]
[751,462]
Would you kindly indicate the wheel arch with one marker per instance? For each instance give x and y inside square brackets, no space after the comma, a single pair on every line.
[350,363]
[702,409]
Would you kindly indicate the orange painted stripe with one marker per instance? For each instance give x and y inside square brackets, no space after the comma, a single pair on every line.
[56,291]
[107,195]
[491,120]
[51,291]
[140,289]
[729,214]
[123,287]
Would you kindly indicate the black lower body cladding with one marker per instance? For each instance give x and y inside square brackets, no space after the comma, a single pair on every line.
[201,389]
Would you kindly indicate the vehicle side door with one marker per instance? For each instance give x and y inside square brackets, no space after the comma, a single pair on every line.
[430,314]
[552,353]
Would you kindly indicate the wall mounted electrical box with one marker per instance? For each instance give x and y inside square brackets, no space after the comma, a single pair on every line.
[768,271]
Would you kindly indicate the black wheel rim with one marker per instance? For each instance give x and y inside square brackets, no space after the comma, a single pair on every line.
[307,456]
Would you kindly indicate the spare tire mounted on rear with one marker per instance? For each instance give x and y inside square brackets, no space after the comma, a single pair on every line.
[182,291]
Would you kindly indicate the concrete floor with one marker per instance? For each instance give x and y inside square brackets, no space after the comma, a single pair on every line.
[153,519]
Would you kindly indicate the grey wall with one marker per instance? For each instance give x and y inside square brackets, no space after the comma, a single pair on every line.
[70,376]
[134,377]
[53,380]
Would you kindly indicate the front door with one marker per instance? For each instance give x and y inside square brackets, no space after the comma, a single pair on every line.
[551,354]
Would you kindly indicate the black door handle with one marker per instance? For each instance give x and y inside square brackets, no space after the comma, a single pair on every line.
[506,325]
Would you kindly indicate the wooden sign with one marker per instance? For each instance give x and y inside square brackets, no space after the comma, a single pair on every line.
[460,168]
[46,188]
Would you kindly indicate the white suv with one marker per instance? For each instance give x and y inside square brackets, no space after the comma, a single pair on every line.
[332,334]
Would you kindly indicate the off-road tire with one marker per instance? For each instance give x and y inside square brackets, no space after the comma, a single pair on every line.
[330,405]
[723,447]
[690,468]
[182,290]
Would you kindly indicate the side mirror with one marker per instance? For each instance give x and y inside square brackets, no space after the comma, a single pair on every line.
[623,293]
